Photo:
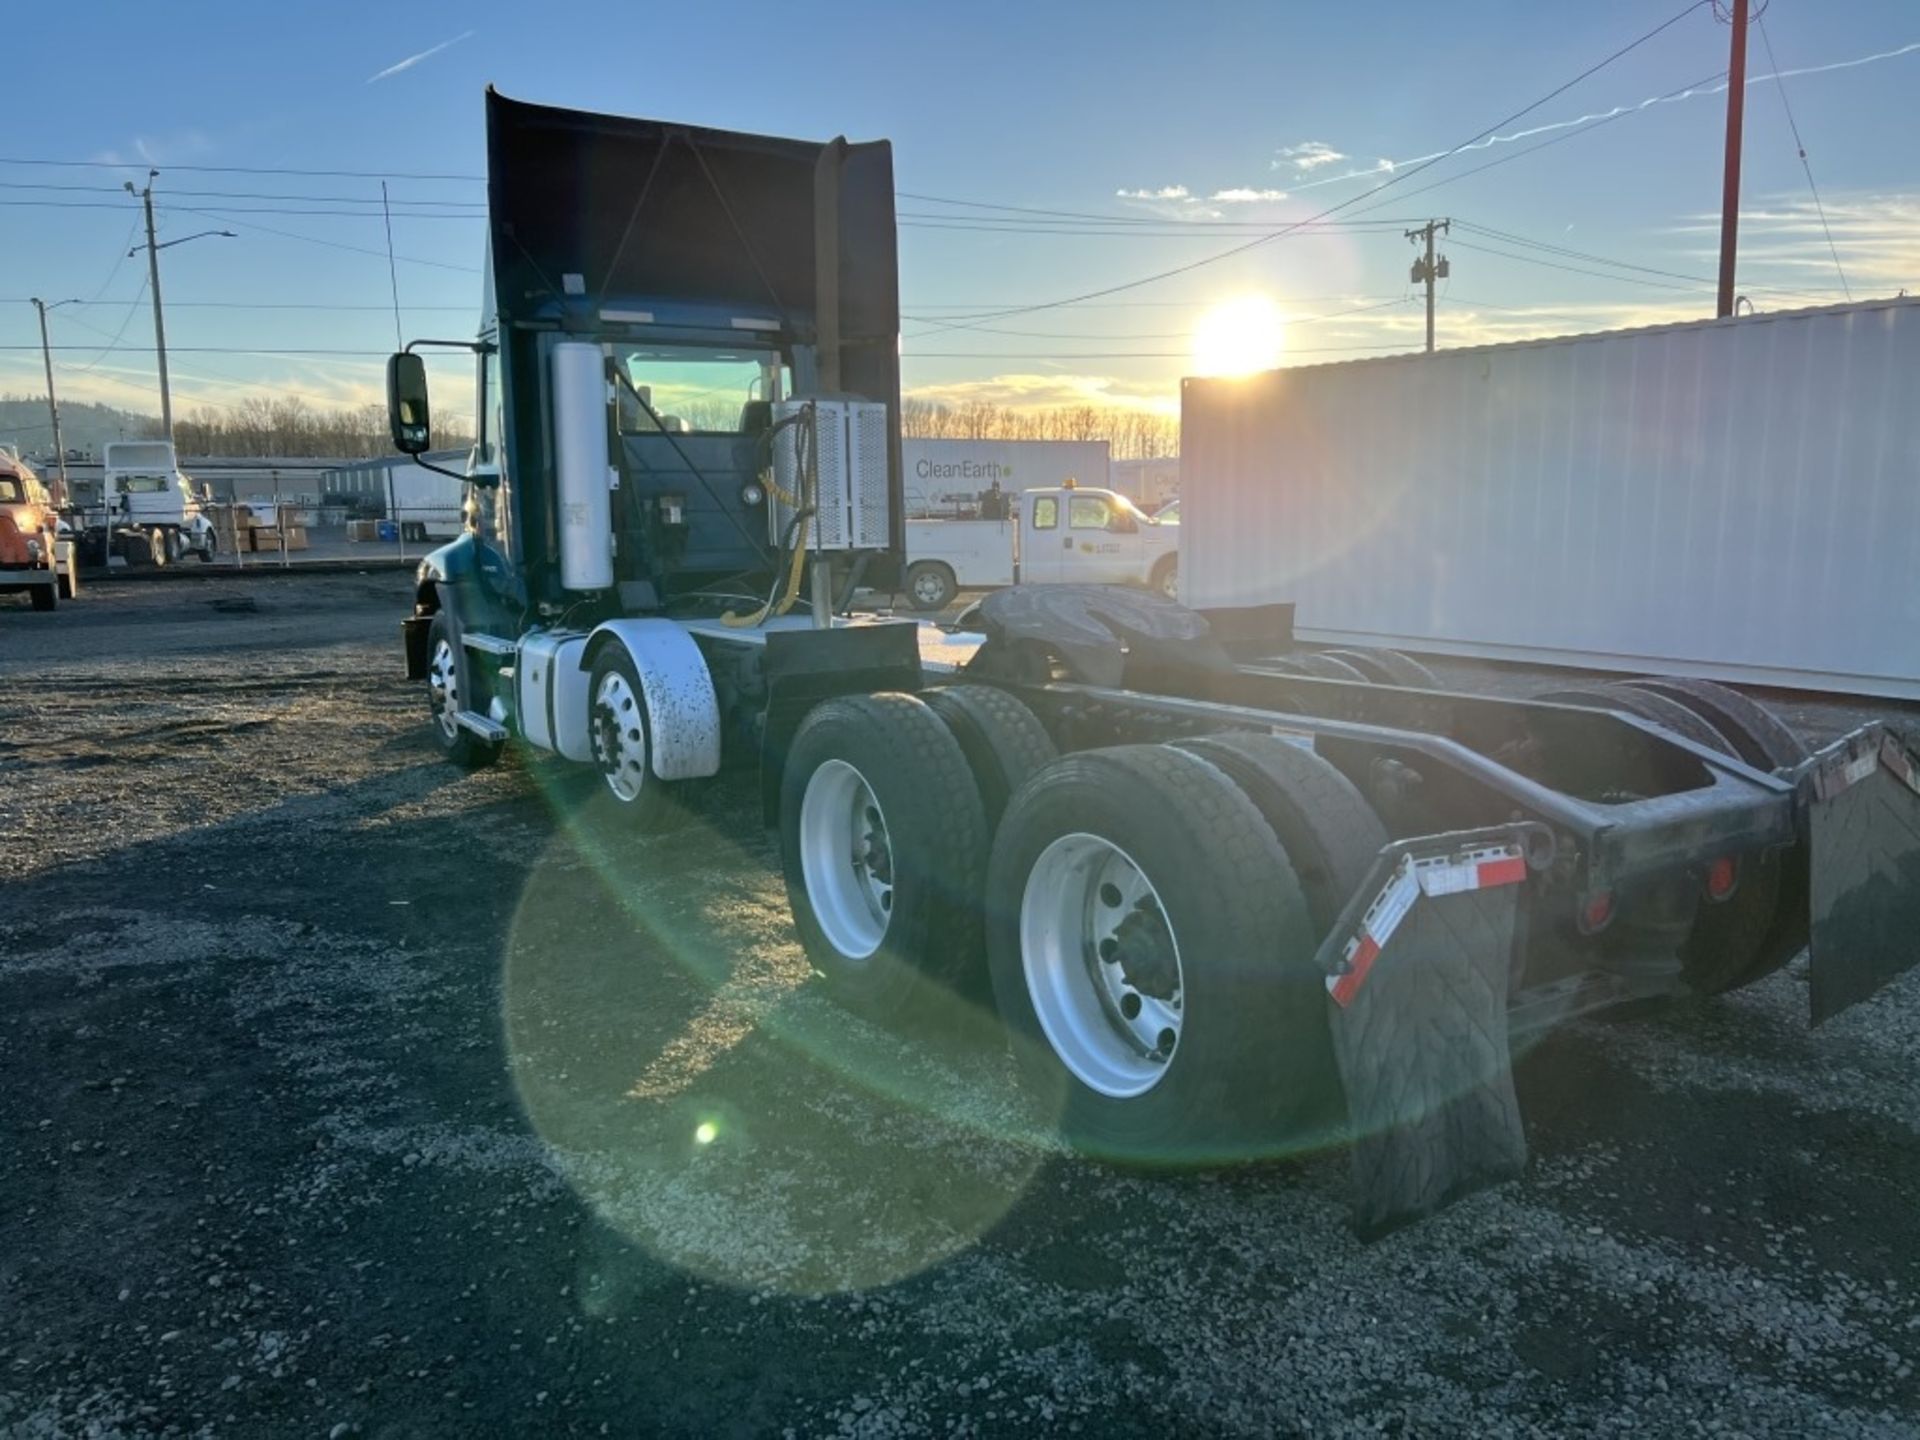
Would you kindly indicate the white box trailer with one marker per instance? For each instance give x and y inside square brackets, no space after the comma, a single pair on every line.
[1733,498]
[945,478]
[426,504]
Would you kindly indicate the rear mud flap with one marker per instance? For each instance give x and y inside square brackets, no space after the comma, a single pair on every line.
[1419,979]
[1862,801]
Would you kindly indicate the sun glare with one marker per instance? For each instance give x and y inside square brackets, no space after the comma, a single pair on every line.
[1239,337]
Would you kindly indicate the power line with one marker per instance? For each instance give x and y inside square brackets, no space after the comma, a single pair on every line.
[1395,179]
[329,244]
[1510,238]
[241,170]
[1161,334]
[1805,164]
[125,320]
[1691,288]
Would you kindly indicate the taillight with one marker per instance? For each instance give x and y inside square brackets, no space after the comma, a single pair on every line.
[1596,912]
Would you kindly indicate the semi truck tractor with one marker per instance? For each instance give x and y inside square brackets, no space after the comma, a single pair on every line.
[1219,903]
[151,514]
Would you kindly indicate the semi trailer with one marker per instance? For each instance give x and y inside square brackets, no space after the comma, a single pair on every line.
[1732,498]
[1221,902]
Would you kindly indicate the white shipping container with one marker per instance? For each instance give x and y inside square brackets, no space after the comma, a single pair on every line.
[1737,499]
[946,476]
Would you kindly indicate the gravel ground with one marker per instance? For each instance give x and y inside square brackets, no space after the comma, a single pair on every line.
[349,1094]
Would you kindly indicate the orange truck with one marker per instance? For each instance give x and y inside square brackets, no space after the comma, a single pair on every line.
[33,555]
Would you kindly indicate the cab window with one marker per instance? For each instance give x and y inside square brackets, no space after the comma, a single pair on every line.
[1087,512]
[486,443]
[696,391]
[1046,513]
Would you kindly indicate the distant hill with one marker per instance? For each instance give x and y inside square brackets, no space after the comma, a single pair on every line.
[24,422]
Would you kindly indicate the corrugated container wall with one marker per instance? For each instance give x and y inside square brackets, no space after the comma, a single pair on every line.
[1735,498]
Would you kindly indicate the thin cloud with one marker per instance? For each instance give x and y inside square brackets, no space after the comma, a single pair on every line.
[427,54]
[1165,192]
[1242,195]
[1310,155]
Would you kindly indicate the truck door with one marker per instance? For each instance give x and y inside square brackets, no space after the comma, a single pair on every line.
[1044,541]
[1103,543]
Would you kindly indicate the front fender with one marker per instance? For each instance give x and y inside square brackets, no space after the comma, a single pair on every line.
[683,712]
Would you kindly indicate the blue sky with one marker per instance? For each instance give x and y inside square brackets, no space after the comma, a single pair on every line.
[1044,105]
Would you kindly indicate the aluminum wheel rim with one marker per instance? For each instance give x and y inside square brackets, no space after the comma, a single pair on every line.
[443,690]
[1114,1036]
[929,588]
[620,737]
[846,858]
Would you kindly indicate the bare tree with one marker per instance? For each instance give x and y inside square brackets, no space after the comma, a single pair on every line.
[1133,434]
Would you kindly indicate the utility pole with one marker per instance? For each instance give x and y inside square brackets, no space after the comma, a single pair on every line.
[159,318]
[1730,189]
[153,283]
[53,402]
[1428,269]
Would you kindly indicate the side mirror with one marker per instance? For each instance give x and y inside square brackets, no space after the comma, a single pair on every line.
[408,416]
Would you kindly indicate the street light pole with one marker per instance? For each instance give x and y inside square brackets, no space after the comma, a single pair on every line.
[53,401]
[153,283]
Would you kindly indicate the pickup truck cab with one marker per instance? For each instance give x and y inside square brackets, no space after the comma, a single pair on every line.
[33,557]
[1060,534]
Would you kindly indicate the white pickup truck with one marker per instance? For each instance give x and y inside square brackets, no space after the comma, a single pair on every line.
[1058,534]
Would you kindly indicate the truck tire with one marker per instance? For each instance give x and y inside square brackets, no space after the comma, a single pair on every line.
[1420,1075]
[1727,943]
[1165,579]
[883,846]
[1642,705]
[1405,671]
[444,672]
[621,739]
[46,597]
[1758,735]
[930,585]
[1003,740]
[1764,741]
[1324,665]
[137,549]
[1141,918]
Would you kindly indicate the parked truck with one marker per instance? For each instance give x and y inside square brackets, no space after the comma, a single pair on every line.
[1065,534]
[150,513]
[35,557]
[1220,906]
[1731,498]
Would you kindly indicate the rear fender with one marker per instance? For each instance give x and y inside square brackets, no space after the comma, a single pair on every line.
[1861,803]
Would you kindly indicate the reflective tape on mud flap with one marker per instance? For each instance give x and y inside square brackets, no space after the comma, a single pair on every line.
[1482,868]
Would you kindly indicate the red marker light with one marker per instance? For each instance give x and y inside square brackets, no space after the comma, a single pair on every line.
[1722,875]
[1597,912]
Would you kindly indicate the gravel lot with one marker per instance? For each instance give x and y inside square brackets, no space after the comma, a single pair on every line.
[350,1095]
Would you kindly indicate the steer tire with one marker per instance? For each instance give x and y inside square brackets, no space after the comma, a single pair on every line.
[1003,740]
[458,744]
[658,806]
[1325,665]
[1165,579]
[1243,936]
[935,830]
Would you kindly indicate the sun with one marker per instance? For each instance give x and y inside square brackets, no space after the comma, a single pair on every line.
[1239,337]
